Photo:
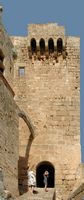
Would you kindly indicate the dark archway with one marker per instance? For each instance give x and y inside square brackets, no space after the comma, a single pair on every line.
[42,45]
[51,45]
[59,45]
[41,168]
[33,45]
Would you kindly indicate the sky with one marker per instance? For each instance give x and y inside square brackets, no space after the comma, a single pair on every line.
[69,13]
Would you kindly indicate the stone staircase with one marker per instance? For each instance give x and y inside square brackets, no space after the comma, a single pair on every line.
[40,194]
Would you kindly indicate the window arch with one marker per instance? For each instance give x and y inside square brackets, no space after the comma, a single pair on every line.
[59,45]
[33,45]
[40,169]
[51,45]
[42,45]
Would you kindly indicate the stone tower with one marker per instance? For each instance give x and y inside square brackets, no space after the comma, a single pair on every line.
[47,88]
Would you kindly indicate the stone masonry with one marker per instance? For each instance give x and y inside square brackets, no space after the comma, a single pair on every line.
[7,48]
[47,88]
[9,121]
[8,137]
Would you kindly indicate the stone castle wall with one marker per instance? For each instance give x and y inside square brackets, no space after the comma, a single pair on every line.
[48,90]
[8,137]
[7,48]
[78,194]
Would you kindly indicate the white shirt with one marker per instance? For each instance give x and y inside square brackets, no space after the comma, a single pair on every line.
[31,178]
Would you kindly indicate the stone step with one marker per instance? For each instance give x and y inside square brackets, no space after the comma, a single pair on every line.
[40,194]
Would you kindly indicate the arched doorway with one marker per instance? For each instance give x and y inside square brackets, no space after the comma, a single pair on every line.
[41,168]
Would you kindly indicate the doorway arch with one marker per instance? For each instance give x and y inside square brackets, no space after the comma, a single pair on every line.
[40,169]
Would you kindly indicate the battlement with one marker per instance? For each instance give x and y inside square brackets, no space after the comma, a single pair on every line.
[46,39]
[46,30]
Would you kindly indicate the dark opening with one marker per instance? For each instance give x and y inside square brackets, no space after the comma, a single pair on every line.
[1,70]
[1,61]
[59,45]
[41,168]
[33,45]
[1,55]
[42,46]
[51,45]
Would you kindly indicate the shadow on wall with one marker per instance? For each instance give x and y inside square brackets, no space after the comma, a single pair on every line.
[23,161]
[22,169]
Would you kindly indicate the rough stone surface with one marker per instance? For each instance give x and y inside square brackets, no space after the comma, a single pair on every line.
[8,138]
[41,195]
[6,46]
[78,194]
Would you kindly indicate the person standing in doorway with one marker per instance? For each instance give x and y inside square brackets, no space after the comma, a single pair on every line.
[46,175]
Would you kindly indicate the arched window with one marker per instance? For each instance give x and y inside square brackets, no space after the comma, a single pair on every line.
[40,169]
[33,45]
[51,45]
[59,45]
[42,45]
